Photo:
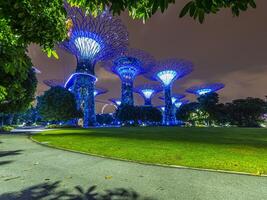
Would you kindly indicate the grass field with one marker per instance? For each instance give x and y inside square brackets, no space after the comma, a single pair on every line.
[235,149]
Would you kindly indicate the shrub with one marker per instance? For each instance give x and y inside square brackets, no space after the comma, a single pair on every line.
[6,128]
[59,126]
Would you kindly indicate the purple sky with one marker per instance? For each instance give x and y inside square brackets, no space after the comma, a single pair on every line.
[223,49]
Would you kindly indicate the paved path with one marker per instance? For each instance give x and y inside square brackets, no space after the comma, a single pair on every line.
[38,172]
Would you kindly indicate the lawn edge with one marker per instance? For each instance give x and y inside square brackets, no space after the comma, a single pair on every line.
[145,163]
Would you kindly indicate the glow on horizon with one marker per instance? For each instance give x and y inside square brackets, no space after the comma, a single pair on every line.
[167,76]
[87,47]
[204,91]
[147,93]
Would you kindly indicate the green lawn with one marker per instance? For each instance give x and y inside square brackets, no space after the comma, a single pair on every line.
[235,149]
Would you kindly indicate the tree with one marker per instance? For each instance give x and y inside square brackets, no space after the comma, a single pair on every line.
[246,112]
[105,119]
[57,104]
[134,115]
[146,8]
[19,91]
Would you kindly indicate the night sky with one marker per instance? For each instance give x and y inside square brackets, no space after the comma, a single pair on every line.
[223,49]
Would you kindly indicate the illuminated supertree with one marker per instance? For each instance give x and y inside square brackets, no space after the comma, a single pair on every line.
[99,91]
[147,92]
[205,88]
[127,66]
[166,72]
[91,39]
[116,102]
[175,97]
[181,102]
[54,83]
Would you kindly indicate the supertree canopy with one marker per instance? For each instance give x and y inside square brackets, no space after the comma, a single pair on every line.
[147,91]
[127,66]
[205,88]
[116,102]
[166,72]
[91,39]
[54,83]
[181,102]
[99,91]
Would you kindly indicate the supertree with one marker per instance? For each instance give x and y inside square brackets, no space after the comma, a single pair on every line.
[166,72]
[181,102]
[91,39]
[54,83]
[147,91]
[116,102]
[175,97]
[205,88]
[99,91]
[127,66]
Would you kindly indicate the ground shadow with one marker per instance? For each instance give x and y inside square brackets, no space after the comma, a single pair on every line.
[10,153]
[52,191]
[5,162]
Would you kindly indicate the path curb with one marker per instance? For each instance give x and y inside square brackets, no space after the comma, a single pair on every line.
[144,163]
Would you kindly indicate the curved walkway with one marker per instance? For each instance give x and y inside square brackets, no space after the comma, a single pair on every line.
[32,171]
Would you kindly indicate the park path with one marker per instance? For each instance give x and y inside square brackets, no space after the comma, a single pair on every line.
[39,172]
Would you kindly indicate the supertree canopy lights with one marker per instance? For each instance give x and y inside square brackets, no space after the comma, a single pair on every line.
[91,39]
[116,102]
[179,103]
[205,88]
[99,91]
[127,66]
[167,71]
[147,92]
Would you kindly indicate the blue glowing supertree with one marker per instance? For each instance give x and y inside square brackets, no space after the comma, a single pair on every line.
[91,39]
[127,66]
[166,72]
[175,97]
[54,83]
[99,91]
[116,102]
[147,91]
[180,102]
[205,88]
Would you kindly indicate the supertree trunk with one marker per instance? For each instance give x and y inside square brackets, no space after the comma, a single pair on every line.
[84,87]
[169,116]
[148,102]
[127,94]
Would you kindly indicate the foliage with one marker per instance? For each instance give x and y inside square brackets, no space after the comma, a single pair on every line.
[246,112]
[26,21]
[105,119]
[146,8]
[6,128]
[57,104]
[19,91]
[183,113]
[138,114]
[199,118]
[52,126]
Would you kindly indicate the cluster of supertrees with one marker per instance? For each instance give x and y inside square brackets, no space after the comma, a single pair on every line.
[104,39]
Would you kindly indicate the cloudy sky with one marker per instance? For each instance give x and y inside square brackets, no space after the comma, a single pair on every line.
[223,49]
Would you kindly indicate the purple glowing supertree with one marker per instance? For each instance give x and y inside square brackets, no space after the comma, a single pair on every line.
[147,91]
[205,88]
[166,72]
[91,39]
[116,102]
[127,66]
[54,83]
